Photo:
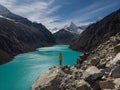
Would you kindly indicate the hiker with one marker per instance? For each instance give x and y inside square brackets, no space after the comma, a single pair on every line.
[60,58]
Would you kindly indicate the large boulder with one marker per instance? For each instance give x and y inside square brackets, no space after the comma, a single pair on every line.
[82,85]
[110,84]
[48,81]
[117,48]
[116,72]
[114,61]
[117,83]
[92,73]
[58,78]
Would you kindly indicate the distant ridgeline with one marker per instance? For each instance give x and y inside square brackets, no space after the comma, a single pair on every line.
[19,35]
[69,34]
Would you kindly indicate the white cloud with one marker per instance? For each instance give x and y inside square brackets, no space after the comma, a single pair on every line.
[38,10]
[91,11]
[41,10]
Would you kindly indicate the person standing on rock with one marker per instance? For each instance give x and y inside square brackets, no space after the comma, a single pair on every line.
[60,58]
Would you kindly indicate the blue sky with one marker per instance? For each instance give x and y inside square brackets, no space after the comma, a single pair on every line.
[58,13]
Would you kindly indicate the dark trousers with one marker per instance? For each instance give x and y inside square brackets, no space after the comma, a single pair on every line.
[60,62]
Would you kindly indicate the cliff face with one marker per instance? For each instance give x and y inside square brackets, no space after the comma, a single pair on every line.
[98,32]
[65,37]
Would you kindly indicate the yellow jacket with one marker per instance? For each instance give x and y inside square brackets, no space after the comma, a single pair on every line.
[60,56]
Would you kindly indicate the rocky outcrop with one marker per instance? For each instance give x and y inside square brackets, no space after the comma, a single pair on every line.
[61,78]
[95,70]
[111,84]
[115,73]
[98,33]
[65,37]
[92,73]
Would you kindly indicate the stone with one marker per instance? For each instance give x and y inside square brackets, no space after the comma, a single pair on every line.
[117,48]
[96,86]
[92,73]
[114,61]
[106,71]
[48,81]
[101,66]
[109,84]
[82,85]
[117,83]
[79,60]
[84,56]
[116,72]
[95,61]
[113,40]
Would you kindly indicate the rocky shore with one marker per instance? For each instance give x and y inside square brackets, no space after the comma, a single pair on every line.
[98,69]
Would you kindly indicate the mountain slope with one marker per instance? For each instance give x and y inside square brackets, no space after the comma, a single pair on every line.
[64,37]
[98,32]
[19,35]
[7,14]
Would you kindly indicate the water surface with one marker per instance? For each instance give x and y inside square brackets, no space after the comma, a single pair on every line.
[20,73]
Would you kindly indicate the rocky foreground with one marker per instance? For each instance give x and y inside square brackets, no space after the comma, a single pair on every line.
[95,70]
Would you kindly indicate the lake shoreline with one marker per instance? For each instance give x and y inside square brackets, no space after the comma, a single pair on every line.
[13,56]
[28,66]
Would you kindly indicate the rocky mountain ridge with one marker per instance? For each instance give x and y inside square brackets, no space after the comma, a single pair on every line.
[64,36]
[74,28]
[98,32]
[19,35]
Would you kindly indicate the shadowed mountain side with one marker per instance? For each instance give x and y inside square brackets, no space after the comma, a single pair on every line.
[65,37]
[19,35]
[98,32]
[17,38]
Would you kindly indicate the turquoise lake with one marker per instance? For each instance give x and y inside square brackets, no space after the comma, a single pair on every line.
[21,73]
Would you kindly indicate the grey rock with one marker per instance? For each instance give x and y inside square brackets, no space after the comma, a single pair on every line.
[94,62]
[92,73]
[82,85]
[114,61]
[116,72]
[109,84]
[117,48]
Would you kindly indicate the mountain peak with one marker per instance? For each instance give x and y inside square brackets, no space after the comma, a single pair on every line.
[72,24]
[4,10]
[74,28]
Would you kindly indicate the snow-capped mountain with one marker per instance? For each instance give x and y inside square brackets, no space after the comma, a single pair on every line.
[74,28]
[4,11]
[8,14]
